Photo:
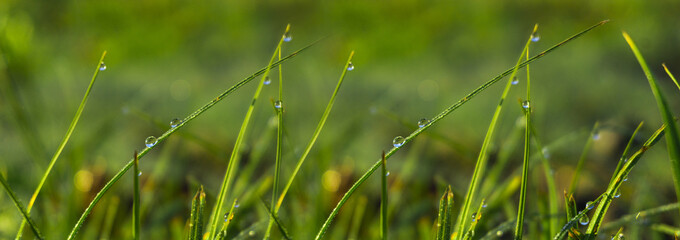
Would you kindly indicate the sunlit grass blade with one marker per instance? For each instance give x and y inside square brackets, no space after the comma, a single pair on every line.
[570,226]
[21,208]
[383,200]
[445,215]
[169,132]
[671,75]
[519,224]
[667,229]
[672,136]
[282,229]
[642,214]
[582,159]
[63,142]
[135,199]
[570,206]
[476,217]
[613,187]
[197,214]
[317,131]
[480,166]
[434,120]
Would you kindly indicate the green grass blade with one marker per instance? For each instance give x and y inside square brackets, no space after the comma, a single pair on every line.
[519,224]
[434,120]
[476,217]
[383,200]
[671,75]
[21,208]
[570,206]
[609,195]
[635,216]
[480,166]
[135,200]
[623,158]
[359,210]
[282,229]
[197,214]
[109,219]
[572,223]
[672,136]
[228,218]
[445,215]
[63,142]
[169,132]
[582,159]
[317,131]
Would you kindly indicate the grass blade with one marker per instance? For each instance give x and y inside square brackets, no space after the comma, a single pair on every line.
[635,216]
[63,142]
[570,207]
[434,120]
[228,218]
[282,229]
[519,225]
[623,158]
[21,208]
[672,136]
[671,75]
[383,200]
[135,200]
[445,215]
[582,159]
[169,132]
[197,214]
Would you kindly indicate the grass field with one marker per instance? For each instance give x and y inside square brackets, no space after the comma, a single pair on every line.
[339,120]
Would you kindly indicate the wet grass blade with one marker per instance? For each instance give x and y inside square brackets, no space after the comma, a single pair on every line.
[197,214]
[170,131]
[672,136]
[635,216]
[480,166]
[282,229]
[135,200]
[434,120]
[21,208]
[671,75]
[383,200]
[476,217]
[63,142]
[570,206]
[519,224]
[445,215]
[582,159]
[228,218]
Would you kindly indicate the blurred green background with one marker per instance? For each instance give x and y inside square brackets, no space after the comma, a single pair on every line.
[413,59]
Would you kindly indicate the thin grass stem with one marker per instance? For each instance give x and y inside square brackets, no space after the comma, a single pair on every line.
[671,75]
[135,200]
[383,200]
[21,208]
[519,225]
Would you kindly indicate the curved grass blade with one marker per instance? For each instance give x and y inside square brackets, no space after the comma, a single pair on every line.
[197,214]
[672,136]
[383,200]
[63,142]
[582,159]
[671,75]
[480,166]
[135,200]
[21,208]
[169,132]
[438,117]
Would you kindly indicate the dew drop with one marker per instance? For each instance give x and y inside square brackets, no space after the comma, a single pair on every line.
[175,122]
[499,233]
[252,233]
[139,173]
[617,194]
[287,37]
[535,37]
[102,66]
[278,104]
[387,173]
[525,104]
[150,141]
[350,66]
[546,152]
[590,205]
[398,141]
[584,220]
[484,205]
[596,136]
[625,179]
[621,237]
[422,122]
[237,205]
[474,217]
[226,217]
[515,80]
[267,80]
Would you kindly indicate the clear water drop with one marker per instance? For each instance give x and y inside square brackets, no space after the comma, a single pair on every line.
[226,217]
[590,205]
[150,141]
[398,141]
[175,122]
[278,104]
[251,233]
[617,194]
[102,66]
[525,104]
[625,179]
[535,37]
[422,122]
[237,205]
[287,37]
[350,66]
[484,205]
[621,237]
[546,152]
[596,135]
[515,80]
[584,220]
[474,217]
[387,173]
[267,80]
[139,173]
[499,233]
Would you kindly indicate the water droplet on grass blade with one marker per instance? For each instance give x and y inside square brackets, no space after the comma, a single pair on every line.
[387,173]
[526,104]
[617,194]
[278,104]
[596,135]
[287,37]
[139,173]
[102,66]
[545,152]
[398,141]
[590,205]
[175,122]
[423,122]
[226,217]
[150,141]
[350,66]
[499,233]
[535,37]
[515,80]
[474,217]
[267,80]
[251,233]
[584,220]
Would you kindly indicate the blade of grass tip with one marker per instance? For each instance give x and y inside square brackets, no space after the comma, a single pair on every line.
[441,214]
[570,206]
[438,117]
[480,166]
[667,229]
[619,234]
[63,142]
[571,223]
[672,137]
[21,208]
[383,200]
[317,131]
[135,199]
[197,214]
[228,218]
[278,108]
[519,225]
[671,75]
[282,229]
[236,151]
[635,216]
[445,215]
[476,217]
[582,159]
[169,132]
[613,188]
[623,158]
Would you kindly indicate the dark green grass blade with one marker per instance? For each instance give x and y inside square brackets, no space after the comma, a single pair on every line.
[197,215]
[671,75]
[135,199]
[441,115]
[383,200]
[582,159]
[519,225]
[602,208]
[282,229]
[169,132]
[63,142]
[672,136]
[21,208]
